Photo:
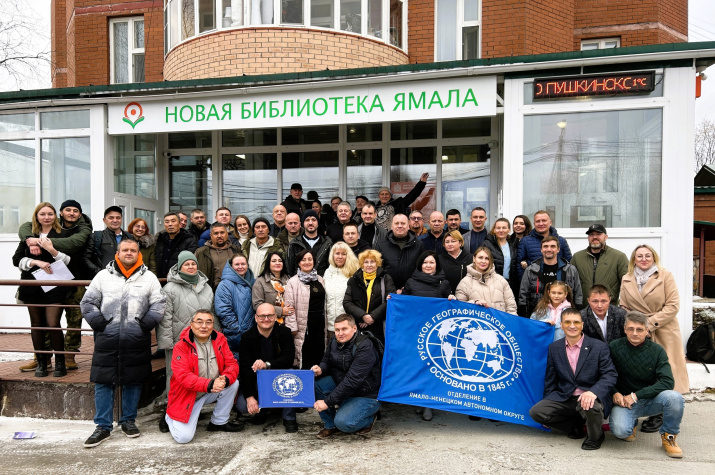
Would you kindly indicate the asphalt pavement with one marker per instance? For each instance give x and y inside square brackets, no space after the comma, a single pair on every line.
[400,443]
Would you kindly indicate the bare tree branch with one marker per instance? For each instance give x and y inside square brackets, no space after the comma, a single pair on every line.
[24,47]
[704,144]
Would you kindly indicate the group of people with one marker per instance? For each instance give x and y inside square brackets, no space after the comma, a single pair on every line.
[302,290]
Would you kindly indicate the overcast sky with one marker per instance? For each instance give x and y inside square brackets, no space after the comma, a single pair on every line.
[701,28]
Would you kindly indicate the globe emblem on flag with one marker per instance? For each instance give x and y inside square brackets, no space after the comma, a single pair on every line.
[471,350]
[287,385]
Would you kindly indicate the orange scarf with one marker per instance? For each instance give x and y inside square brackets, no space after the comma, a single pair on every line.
[128,272]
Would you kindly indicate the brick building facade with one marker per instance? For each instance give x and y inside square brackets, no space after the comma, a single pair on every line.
[82,52]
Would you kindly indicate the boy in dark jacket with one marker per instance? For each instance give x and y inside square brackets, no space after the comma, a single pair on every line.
[351,374]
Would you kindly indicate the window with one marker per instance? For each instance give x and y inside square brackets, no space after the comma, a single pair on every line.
[457,29]
[382,19]
[126,50]
[604,43]
[602,167]
[65,170]
[135,165]
[17,181]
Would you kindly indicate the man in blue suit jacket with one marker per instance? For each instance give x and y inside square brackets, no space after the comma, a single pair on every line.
[579,379]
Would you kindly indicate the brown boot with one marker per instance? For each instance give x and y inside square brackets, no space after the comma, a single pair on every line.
[29,367]
[32,365]
[70,363]
[671,446]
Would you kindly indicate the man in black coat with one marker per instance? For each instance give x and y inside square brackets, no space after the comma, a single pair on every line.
[310,239]
[265,346]
[351,371]
[400,251]
[294,203]
[579,379]
[601,320]
[170,242]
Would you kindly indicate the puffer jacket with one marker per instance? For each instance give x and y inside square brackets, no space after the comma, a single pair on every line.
[335,285]
[263,291]
[122,312]
[491,243]
[233,305]
[297,295]
[532,289]
[185,380]
[357,375]
[529,249]
[490,287]
[182,301]
[355,301]
[400,264]
[427,285]
[147,248]
[455,269]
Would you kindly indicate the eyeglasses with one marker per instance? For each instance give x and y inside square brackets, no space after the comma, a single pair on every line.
[635,330]
[416,218]
[266,317]
[203,323]
[568,323]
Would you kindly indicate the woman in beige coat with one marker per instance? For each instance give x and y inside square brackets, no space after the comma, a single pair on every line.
[483,286]
[305,292]
[650,289]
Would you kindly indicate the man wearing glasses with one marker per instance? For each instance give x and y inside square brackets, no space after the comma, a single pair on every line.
[579,379]
[645,386]
[204,372]
[417,223]
[265,346]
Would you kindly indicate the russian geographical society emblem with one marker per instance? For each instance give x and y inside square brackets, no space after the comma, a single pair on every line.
[465,350]
[287,385]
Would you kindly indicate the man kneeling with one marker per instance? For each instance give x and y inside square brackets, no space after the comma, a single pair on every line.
[204,371]
[579,378]
[645,385]
[351,370]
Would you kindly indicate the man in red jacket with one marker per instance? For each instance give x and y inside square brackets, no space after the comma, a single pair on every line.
[204,371]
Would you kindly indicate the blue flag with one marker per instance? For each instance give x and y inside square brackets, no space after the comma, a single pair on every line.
[285,388]
[460,357]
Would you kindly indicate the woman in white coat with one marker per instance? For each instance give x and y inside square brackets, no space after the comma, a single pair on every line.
[343,264]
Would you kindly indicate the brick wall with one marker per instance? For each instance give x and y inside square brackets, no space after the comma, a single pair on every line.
[420,34]
[705,211]
[645,22]
[518,27]
[254,51]
[81,37]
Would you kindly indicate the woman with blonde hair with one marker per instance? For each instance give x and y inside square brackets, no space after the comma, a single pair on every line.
[343,264]
[650,289]
[366,294]
[483,286]
[45,225]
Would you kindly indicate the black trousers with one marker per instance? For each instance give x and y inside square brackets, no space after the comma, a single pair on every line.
[562,415]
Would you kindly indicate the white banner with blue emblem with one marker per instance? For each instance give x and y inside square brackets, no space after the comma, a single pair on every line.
[460,357]
[286,388]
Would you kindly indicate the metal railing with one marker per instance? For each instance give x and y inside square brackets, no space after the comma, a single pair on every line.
[38,283]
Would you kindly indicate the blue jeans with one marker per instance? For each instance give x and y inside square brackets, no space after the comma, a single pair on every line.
[354,413]
[242,407]
[104,404]
[669,403]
